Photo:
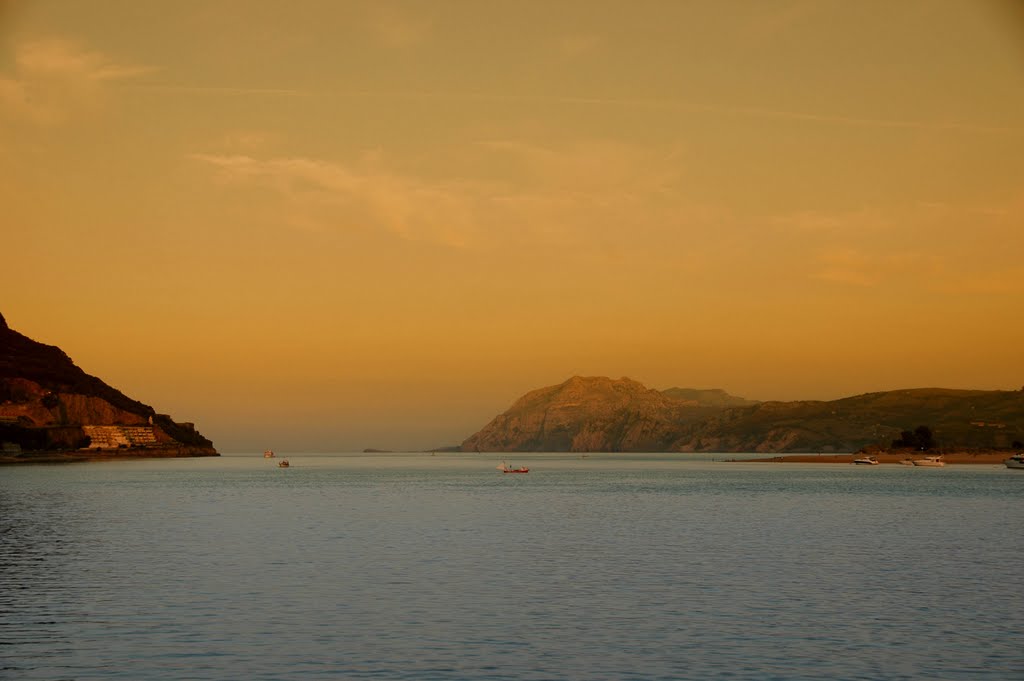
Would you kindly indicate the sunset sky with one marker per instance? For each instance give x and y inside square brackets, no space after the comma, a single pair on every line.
[335,225]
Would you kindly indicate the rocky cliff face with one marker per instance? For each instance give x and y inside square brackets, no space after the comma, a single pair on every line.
[593,414]
[45,400]
[602,415]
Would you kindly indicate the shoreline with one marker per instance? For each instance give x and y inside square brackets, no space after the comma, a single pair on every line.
[85,455]
[984,458]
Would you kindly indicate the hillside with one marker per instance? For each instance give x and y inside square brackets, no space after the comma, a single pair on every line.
[48,404]
[599,414]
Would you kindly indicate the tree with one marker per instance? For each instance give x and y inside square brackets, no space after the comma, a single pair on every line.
[923,435]
[920,438]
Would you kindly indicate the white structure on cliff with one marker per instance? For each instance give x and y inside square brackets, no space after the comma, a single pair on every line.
[114,437]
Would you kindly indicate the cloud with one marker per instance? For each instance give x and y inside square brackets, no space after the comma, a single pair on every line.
[319,192]
[573,197]
[63,58]
[53,78]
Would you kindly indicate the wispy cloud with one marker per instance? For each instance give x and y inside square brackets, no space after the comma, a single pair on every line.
[66,59]
[53,78]
[572,197]
[319,193]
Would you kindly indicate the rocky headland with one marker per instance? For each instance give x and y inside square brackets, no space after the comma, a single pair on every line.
[598,414]
[51,410]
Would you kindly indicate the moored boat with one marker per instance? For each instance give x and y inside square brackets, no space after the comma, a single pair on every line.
[866,461]
[930,461]
[505,468]
[1015,461]
[283,463]
[269,454]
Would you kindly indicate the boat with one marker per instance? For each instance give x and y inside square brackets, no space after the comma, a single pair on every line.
[505,468]
[866,461]
[283,463]
[930,461]
[269,454]
[1015,461]
[906,462]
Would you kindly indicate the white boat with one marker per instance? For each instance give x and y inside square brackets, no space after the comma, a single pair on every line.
[1015,461]
[930,461]
[866,461]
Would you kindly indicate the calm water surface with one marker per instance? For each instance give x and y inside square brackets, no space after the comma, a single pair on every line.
[420,567]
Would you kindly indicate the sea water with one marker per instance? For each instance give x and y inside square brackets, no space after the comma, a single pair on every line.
[442,567]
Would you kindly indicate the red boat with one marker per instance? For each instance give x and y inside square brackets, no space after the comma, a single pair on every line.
[505,468]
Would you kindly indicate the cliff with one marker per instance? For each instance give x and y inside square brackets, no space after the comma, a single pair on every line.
[49,404]
[599,414]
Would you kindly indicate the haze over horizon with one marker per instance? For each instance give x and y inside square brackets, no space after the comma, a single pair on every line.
[335,225]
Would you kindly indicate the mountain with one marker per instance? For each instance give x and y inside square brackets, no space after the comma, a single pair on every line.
[594,414]
[48,404]
[600,414]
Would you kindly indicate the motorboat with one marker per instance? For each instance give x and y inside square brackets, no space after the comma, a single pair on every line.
[866,461]
[283,463]
[930,461]
[1015,461]
[269,454]
[505,468]
[906,462]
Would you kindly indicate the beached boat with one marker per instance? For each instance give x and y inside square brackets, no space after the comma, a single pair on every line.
[866,461]
[505,468]
[1015,461]
[268,454]
[930,461]
[906,462]
[283,463]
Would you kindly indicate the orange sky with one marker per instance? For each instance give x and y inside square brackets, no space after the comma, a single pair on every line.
[336,225]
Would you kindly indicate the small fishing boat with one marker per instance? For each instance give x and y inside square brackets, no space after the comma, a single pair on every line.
[1015,461]
[505,468]
[866,461]
[269,454]
[930,462]
[283,463]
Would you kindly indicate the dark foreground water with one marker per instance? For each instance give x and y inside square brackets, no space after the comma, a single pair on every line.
[419,567]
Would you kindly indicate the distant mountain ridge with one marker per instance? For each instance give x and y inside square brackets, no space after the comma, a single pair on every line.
[47,403]
[713,397]
[601,414]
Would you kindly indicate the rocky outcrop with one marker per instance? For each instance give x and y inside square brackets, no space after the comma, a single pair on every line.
[46,400]
[602,415]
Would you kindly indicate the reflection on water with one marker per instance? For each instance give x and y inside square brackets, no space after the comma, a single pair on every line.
[440,567]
